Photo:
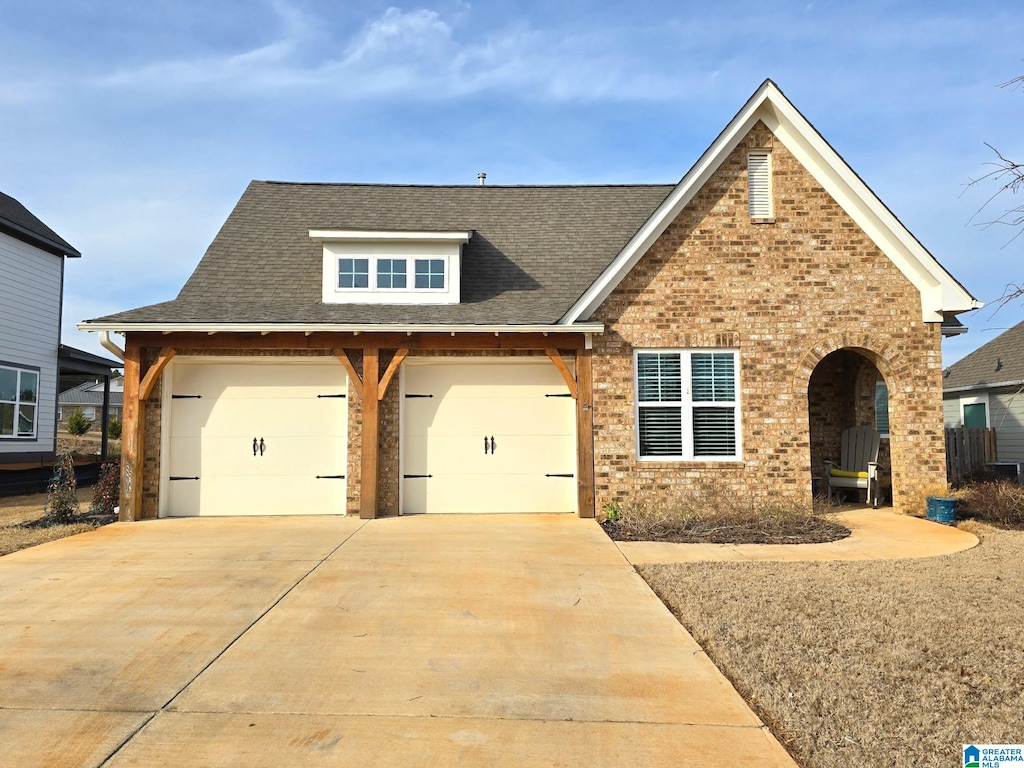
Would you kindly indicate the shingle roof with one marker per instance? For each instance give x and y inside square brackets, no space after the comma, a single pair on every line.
[17,221]
[533,251]
[1000,360]
[81,395]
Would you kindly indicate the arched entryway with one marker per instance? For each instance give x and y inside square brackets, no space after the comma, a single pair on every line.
[846,389]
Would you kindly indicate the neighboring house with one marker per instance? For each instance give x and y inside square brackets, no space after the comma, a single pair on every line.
[387,349]
[89,397]
[32,264]
[986,389]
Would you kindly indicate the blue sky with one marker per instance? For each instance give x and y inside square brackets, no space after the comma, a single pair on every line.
[132,128]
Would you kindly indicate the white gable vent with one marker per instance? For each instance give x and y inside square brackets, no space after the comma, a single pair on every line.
[759,184]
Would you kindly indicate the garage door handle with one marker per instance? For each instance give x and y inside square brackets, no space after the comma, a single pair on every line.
[262,446]
[255,446]
[492,444]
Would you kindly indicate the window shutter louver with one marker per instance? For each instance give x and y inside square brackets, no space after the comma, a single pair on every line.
[759,185]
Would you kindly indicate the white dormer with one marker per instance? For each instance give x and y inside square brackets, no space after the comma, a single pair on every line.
[380,267]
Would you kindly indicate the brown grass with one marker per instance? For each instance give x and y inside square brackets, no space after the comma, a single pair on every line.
[18,513]
[893,663]
[709,514]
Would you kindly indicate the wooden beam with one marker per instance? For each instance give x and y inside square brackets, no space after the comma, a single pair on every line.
[570,380]
[371,435]
[133,416]
[585,434]
[389,374]
[350,369]
[330,342]
[149,380]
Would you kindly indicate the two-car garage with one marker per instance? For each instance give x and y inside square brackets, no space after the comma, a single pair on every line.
[269,436]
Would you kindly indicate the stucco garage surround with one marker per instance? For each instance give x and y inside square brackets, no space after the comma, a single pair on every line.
[487,436]
[257,437]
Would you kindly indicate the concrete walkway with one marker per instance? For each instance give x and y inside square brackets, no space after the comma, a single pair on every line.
[875,534]
[312,641]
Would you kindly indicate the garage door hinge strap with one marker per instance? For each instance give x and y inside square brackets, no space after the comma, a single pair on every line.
[413,476]
[565,395]
[562,475]
[173,477]
[186,397]
[330,477]
[331,395]
[419,396]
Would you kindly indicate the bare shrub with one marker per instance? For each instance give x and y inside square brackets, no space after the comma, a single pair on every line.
[995,501]
[711,513]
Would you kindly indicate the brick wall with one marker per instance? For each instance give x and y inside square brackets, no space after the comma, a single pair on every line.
[786,294]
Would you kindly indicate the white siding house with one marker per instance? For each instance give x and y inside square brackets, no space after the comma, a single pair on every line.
[32,264]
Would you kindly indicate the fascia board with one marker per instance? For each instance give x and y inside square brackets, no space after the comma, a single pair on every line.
[666,213]
[158,327]
[985,385]
[939,291]
[385,235]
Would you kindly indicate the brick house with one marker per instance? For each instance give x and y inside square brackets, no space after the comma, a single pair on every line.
[384,349]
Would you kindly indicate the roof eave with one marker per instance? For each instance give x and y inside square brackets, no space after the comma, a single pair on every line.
[940,292]
[985,385]
[201,327]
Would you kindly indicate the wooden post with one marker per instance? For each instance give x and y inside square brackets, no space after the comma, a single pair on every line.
[371,434]
[585,433]
[133,416]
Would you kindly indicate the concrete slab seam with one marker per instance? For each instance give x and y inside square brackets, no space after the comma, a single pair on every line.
[227,647]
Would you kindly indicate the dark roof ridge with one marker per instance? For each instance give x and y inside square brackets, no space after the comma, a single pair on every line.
[648,185]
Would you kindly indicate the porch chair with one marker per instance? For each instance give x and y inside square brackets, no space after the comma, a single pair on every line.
[858,464]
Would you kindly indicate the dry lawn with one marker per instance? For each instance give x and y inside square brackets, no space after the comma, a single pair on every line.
[892,663]
[17,510]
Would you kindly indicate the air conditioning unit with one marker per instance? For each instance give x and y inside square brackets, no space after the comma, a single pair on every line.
[1013,470]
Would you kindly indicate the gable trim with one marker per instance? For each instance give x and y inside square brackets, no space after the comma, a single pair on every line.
[940,292]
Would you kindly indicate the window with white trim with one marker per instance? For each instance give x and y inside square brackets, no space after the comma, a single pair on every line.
[19,397]
[386,274]
[759,185]
[429,274]
[687,405]
[353,273]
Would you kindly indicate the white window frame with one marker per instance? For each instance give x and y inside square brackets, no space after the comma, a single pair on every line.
[760,216]
[981,399]
[687,405]
[17,403]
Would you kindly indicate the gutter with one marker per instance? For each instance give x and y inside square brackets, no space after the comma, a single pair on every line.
[108,344]
[986,385]
[105,328]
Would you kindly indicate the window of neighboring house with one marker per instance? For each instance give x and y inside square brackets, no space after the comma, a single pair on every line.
[89,412]
[353,273]
[687,405]
[882,409]
[19,395]
[430,274]
[974,411]
[759,185]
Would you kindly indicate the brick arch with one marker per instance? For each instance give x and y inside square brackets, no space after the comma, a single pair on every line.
[890,362]
[897,372]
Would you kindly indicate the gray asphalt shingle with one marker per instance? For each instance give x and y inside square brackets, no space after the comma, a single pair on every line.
[533,251]
[1000,360]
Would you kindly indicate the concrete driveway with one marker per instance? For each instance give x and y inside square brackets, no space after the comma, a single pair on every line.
[420,641]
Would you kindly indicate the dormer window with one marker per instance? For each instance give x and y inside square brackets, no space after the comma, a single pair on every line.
[363,267]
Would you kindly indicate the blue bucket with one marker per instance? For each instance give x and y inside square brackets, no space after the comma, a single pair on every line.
[940,510]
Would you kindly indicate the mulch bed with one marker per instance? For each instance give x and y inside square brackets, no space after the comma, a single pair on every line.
[802,530]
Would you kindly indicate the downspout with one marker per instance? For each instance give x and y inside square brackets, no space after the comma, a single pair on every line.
[108,344]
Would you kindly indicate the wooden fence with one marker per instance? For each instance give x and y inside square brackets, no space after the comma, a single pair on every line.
[968,450]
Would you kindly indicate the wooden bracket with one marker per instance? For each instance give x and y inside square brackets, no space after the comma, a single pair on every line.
[570,380]
[350,369]
[389,374]
[149,380]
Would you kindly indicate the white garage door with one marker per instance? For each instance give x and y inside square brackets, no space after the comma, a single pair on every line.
[256,438]
[487,437]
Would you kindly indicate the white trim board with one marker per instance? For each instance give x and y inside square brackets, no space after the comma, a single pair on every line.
[940,292]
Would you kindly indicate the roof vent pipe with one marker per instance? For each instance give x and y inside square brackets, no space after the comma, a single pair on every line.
[481,177]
